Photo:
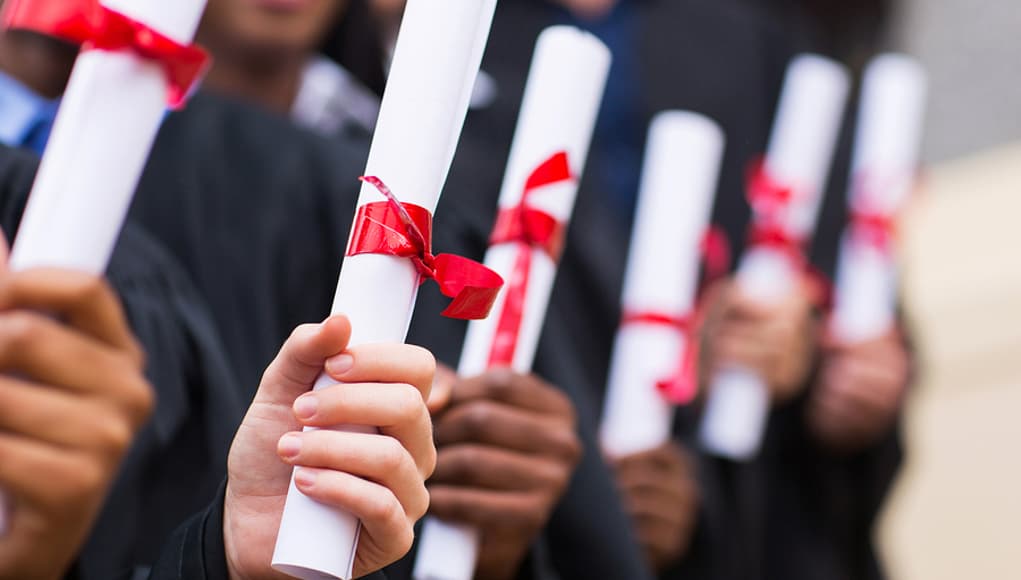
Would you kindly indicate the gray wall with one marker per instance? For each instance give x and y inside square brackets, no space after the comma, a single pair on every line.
[972,49]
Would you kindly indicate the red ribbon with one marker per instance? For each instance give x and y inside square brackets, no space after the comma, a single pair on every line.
[874,229]
[770,200]
[528,228]
[404,230]
[96,27]
[681,386]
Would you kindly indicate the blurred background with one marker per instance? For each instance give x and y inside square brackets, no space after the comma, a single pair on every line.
[955,512]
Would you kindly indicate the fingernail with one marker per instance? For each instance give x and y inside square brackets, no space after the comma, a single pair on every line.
[290,445]
[306,406]
[339,364]
[304,477]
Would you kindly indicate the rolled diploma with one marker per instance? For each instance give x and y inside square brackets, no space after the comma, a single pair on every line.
[435,64]
[800,154]
[104,130]
[559,110]
[682,168]
[887,149]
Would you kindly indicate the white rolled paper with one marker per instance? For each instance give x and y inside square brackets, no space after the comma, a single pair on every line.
[682,168]
[558,113]
[434,67]
[109,116]
[800,155]
[886,156]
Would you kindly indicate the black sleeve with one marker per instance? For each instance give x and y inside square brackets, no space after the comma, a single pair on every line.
[195,551]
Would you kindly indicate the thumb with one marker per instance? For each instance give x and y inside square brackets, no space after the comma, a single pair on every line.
[300,361]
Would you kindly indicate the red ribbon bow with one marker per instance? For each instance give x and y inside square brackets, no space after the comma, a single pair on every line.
[870,225]
[770,200]
[404,230]
[876,229]
[681,386]
[96,27]
[529,228]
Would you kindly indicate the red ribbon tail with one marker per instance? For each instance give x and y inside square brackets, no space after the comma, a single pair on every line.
[716,254]
[682,388]
[473,286]
[505,340]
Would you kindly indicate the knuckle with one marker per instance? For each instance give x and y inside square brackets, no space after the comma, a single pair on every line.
[569,446]
[141,402]
[90,290]
[535,518]
[392,455]
[477,418]
[114,436]
[420,505]
[385,507]
[499,384]
[428,466]
[458,463]
[90,477]
[136,354]
[18,330]
[405,539]
[410,406]
[426,363]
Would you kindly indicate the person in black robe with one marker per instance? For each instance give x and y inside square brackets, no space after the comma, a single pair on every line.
[178,459]
[73,396]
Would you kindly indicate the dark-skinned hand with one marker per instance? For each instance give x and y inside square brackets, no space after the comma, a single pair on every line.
[72,397]
[860,391]
[661,495]
[507,450]
[777,341]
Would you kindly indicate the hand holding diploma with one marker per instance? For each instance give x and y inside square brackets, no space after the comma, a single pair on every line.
[377,475]
[661,495]
[866,366]
[507,450]
[65,425]
[137,61]
[558,115]
[785,192]
[860,391]
[439,50]
[777,340]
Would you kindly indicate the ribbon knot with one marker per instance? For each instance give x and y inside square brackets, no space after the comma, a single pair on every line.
[681,386]
[404,230]
[875,229]
[530,228]
[96,27]
[770,200]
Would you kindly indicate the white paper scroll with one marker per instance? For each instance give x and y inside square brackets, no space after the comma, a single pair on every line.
[435,63]
[682,167]
[104,130]
[886,157]
[561,103]
[800,154]
[109,116]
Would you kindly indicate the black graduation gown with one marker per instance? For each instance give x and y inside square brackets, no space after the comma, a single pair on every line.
[787,515]
[258,212]
[178,459]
